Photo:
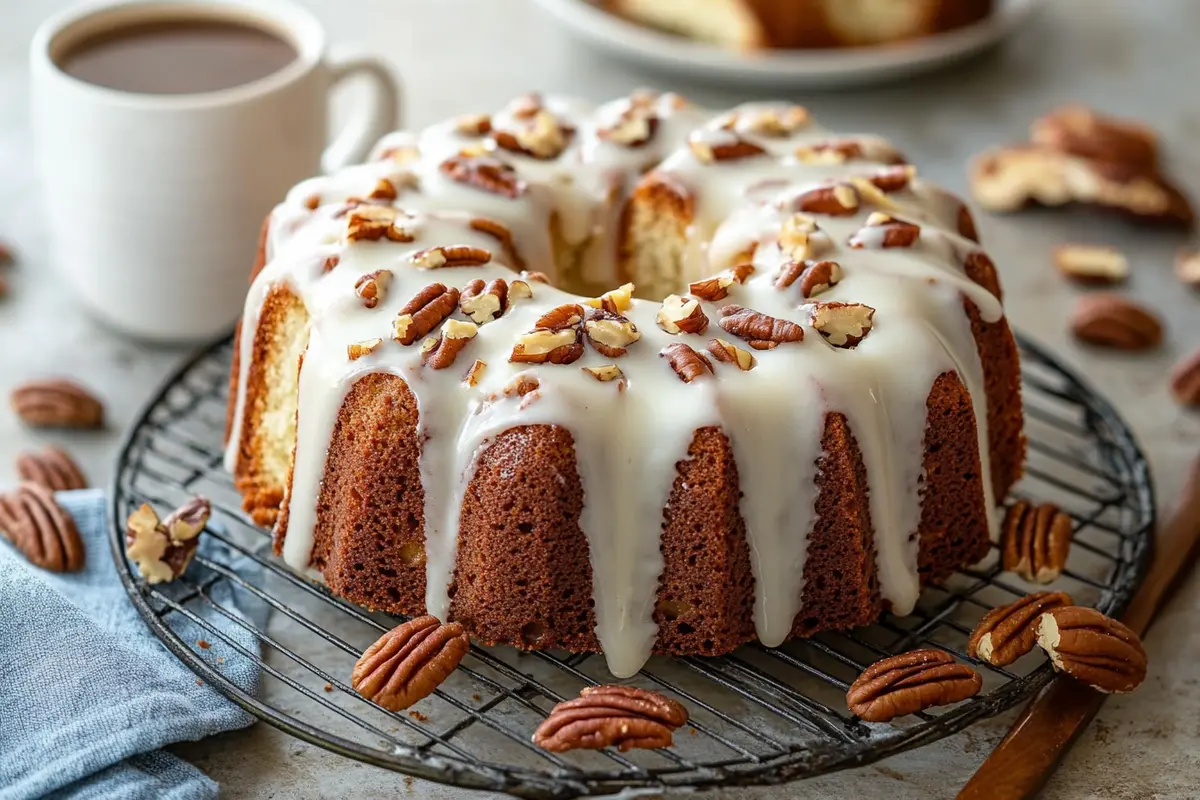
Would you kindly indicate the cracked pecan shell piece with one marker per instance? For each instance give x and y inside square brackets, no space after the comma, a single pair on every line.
[408,662]
[1092,648]
[52,467]
[1008,632]
[40,529]
[911,682]
[624,717]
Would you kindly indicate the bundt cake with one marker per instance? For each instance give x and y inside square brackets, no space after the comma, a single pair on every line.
[441,408]
[759,24]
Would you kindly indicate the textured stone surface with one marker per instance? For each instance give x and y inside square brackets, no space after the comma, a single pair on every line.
[468,55]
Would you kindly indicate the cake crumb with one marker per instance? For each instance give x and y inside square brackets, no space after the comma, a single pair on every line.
[409,780]
[418,716]
[220,659]
[476,697]
[199,682]
[328,687]
[202,644]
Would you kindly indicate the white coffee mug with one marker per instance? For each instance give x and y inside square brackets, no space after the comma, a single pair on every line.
[154,202]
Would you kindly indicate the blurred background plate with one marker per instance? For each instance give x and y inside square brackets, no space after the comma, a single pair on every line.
[809,69]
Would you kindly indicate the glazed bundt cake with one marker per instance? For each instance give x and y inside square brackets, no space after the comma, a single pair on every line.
[447,399]
[759,24]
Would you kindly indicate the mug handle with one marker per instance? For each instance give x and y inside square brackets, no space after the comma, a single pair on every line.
[369,123]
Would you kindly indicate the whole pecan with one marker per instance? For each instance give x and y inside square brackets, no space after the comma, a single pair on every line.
[1008,632]
[1185,380]
[485,173]
[761,331]
[611,716]
[40,529]
[911,682]
[424,312]
[441,352]
[408,662]
[1109,320]
[1034,541]
[1092,648]
[57,403]
[687,363]
[162,549]
[51,467]
[484,302]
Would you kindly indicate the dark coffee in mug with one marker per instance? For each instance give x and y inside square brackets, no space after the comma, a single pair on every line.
[182,56]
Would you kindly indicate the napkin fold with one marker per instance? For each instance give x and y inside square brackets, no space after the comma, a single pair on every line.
[88,695]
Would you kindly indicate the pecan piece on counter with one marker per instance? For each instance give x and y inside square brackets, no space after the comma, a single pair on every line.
[760,331]
[1109,320]
[1008,632]
[484,302]
[162,550]
[56,403]
[911,682]
[611,334]
[1035,541]
[40,529]
[424,312]
[454,255]
[624,717]
[682,315]
[51,467]
[440,353]
[728,353]
[408,662]
[843,325]
[1081,131]
[1092,648]
[372,287]
[884,230]
[687,363]
[1092,265]
[485,173]
[1185,380]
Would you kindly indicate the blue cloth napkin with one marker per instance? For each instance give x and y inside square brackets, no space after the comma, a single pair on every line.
[88,695]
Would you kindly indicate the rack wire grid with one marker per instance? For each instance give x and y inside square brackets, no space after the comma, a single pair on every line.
[759,716]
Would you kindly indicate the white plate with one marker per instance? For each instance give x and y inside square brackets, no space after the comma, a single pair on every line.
[811,69]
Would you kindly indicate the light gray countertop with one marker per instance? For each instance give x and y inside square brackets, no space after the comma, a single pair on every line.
[1138,59]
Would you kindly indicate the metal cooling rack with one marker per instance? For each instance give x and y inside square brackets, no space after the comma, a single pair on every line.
[759,716]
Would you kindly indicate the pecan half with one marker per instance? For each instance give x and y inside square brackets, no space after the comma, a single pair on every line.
[611,334]
[370,223]
[51,467]
[815,276]
[1187,268]
[1093,265]
[1185,380]
[842,324]
[372,287]
[911,682]
[556,339]
[452,255]
[616,301]
[761,331]
[485,173]
[440,353]
[1092,648]
[966,224]
[162,550]
[712,289]
[611,716]
[40,529]
[728,353]
[1035,541]
[839,200]
[682,315]
[1008,632]
[687,363]
[357,350]
[408,662]
[883,230]
[564,316]
[1109,320]
[484,302]
[56,403]
[721,146]
[424,312]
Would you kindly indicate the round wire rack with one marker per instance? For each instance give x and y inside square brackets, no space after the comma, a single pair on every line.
[758,716]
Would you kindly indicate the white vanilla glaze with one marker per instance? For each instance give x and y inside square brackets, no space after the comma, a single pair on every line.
[630,433]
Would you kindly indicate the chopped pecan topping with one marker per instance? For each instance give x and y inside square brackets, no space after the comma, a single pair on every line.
[384,190]
[541,135]
[1035,541]
[605,373]
[408,662]
[547,346]
[485,173]
[795,236]
[616,301]
[728,353]
[372,223]
[564,316]
[1008,632]
[52,467]
[38,527]
[741,272]
[519,290]
[635,126]
[911,682]
[330,263]
[1094,265]
[815,276]
[356,350]
[722,146]
[473,125]
[474,373]
[842,324]
[455,336]
[883,230]
[872,195]
[56,403]
[839,151]
[760,331]
[535,277]
[712,289]
[503,235]
[424,312]
[611,716]
[312,202]
[687,363]
[1092,648]
[1109,320]
[682,315]
[839,200]
[779,122]
[372,287]
[484,302]
[610,333]
[893,179]
[966,224]
[161,551]
[454,255]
